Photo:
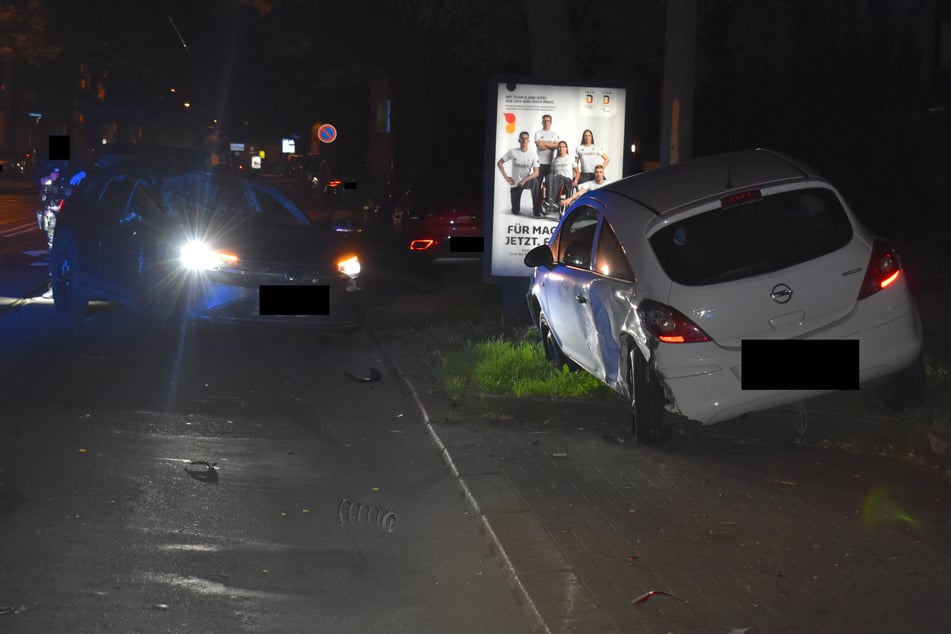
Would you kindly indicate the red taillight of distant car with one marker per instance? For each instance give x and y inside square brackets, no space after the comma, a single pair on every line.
[669,325]
[883,269]
[422,245]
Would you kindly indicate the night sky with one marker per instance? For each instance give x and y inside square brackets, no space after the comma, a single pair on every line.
[825,81]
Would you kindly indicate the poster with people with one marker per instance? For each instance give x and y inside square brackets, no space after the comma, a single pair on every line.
[548,141]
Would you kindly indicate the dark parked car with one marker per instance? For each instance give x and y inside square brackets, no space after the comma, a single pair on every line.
[436,224]
[211,244]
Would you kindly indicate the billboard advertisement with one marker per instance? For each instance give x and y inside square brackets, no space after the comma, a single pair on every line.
[542,133]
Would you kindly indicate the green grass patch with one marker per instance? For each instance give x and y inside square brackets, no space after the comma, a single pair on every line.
[467,345]
[516,367]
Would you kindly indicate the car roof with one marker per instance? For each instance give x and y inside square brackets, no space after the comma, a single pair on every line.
[673,187]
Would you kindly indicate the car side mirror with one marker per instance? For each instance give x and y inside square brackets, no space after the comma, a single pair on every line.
[540,256]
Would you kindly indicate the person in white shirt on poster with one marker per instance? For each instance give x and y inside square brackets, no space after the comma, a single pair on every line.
[546,143]
[524,161]
[564,175]
[589,156]
[586,186]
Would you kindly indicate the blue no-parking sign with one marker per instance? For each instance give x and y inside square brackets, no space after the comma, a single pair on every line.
[327,133]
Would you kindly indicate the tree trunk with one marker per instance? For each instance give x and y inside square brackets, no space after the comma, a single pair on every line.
[676,132]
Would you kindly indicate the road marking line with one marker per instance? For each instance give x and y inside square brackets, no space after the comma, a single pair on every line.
[19,230]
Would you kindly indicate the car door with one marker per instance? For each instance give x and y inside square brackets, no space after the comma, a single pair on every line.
[568,284]
[609,305]
[120,247]
[82,219]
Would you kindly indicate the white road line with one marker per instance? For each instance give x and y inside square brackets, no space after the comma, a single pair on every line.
[19,230]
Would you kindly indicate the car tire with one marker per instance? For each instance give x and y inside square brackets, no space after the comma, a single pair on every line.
[552,352]
[907,388]
[647,400]
[69,296]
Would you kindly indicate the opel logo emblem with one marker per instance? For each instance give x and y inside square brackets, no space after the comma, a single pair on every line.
[781,294]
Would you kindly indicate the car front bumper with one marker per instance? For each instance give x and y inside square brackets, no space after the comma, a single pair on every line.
[220,297]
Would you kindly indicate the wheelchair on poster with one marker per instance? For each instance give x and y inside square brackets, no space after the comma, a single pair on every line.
[554,189]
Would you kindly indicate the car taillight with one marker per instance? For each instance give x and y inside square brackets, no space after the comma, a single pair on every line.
[422,245]
[668,324]
[883,269]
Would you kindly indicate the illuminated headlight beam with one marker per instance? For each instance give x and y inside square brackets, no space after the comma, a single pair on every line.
[349,266]
[198,256]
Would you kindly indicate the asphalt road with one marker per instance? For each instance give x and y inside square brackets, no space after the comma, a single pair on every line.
[226,480]
[169,484]
[233,481]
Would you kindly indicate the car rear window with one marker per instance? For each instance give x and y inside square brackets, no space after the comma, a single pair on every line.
[757,237]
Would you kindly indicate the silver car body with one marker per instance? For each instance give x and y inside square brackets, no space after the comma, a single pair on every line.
[592,310]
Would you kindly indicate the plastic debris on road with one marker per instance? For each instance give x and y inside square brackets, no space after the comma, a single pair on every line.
[373,376]
[203,471]
[647,596]
[938,445]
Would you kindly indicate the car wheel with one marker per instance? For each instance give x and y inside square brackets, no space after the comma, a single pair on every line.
[552,352]
[906,388]
[69,296]
[647,400]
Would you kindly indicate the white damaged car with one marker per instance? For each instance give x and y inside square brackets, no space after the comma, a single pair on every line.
[721,286]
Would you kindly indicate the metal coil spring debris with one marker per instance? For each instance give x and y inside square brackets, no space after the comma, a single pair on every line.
[351,512]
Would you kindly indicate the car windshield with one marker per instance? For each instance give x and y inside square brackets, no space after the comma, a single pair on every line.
[767,234]
[237,199]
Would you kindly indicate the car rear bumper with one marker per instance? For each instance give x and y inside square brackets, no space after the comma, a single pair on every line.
[443,254]
[704,379]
